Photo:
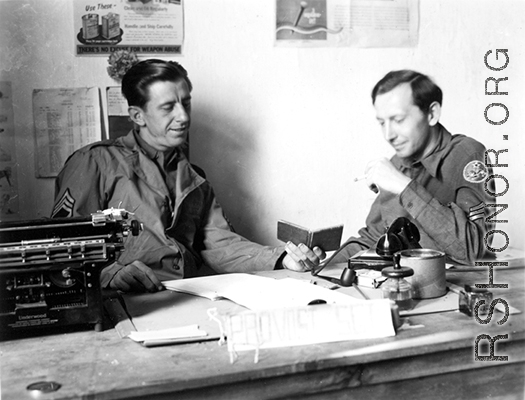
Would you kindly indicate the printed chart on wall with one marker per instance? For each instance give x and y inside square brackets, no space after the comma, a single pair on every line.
[350,23]
[118,118]
[65,120]
[141,26]
[8,163]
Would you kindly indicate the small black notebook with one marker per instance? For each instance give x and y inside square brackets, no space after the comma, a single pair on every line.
[328,239]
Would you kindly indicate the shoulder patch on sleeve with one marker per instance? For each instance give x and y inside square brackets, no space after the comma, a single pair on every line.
[475,171]
[64,207]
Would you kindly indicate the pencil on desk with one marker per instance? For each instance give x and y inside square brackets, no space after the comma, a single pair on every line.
[360,292]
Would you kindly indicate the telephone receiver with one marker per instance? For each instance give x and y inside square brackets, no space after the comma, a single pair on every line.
[401,235]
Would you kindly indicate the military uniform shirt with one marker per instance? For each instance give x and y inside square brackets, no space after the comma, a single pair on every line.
[448,210]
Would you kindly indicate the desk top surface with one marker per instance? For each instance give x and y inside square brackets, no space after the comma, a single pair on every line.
[102,365]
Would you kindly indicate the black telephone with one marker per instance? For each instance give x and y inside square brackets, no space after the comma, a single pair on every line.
[401,235]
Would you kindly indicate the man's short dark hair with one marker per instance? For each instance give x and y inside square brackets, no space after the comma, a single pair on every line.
[424,90]
[142,75]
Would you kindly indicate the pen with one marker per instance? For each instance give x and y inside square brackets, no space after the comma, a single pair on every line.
[360,292]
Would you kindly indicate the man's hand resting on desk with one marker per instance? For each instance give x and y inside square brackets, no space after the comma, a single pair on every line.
[134,277]
[301,258]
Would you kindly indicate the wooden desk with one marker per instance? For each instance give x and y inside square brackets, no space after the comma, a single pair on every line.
[434,361]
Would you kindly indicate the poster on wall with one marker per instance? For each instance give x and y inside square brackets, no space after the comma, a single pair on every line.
[350,23]
[8,163]
[65,120]
[102,27]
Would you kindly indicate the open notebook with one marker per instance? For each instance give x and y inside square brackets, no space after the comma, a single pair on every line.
[279,314]
[258,292]
[281,307]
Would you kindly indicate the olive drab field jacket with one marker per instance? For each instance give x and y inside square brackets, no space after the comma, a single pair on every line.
[184,227]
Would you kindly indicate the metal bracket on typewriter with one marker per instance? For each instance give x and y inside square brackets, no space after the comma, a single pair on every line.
[50,269]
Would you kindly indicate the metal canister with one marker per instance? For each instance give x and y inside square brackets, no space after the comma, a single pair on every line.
[429,279]
[110,25]
[90,26]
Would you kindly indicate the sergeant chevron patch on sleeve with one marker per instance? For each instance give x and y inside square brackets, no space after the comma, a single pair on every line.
[476,212]
[64,207]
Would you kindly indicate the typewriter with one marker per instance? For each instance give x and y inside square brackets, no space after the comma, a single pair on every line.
[50,270]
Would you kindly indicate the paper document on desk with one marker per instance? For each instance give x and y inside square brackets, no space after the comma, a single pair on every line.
[165,336]
[253,330]
[257,292]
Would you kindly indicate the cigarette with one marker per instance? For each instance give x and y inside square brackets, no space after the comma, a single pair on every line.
[359,178]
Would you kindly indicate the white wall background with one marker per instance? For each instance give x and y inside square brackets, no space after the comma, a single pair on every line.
[282,132]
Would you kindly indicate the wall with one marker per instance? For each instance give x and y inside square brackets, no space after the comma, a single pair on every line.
[282,132]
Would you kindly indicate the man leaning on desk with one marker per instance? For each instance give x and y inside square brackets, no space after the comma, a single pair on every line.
[147,174]
[434,178]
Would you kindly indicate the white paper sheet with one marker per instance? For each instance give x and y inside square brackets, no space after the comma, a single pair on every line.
[254,330]
[65,120]
[189,331]
[257,292]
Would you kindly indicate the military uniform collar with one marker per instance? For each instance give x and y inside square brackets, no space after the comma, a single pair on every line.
[151,153]
[432,161]
[146,149]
